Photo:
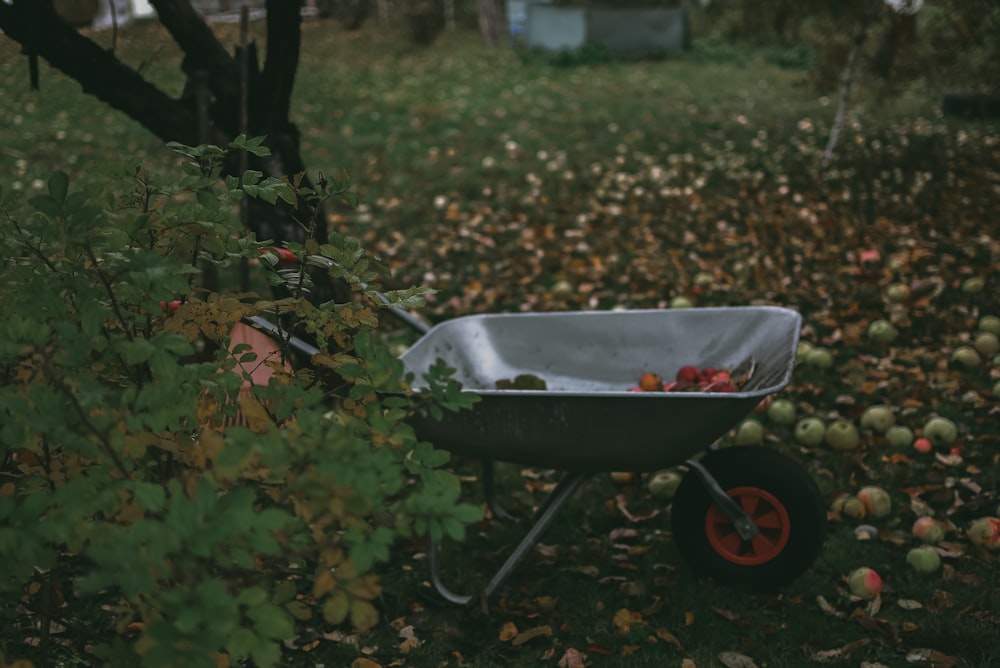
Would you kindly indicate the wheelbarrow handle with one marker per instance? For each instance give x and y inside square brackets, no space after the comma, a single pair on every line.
[287,258]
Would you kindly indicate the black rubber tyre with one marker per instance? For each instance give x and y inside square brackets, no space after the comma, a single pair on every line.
[781,498]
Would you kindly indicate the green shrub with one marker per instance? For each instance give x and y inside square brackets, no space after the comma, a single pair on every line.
[129,514]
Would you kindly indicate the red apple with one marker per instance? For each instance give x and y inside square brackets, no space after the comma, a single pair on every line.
[865,583]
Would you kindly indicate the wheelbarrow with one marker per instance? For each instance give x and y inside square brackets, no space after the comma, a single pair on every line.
[744,515]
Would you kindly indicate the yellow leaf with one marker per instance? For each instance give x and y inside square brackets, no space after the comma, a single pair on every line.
[324,583]
[508,631]
[362,662]
[530,634]
[366,587]
[256,415]
[625,618]
[336,608]
[669,637]
[363,615]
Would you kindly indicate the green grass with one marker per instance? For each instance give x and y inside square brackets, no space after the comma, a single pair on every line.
[490,177]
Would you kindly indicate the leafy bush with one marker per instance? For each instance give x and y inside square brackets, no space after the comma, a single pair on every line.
[133,520]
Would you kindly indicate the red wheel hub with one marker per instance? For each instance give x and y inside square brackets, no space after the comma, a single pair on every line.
[765,511]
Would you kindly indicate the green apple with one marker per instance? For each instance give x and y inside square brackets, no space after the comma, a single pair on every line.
[882,331]
[966,356]
[664,484]
[842,435]
[854,508]
[990,323]
[878,418]
[781,411]
[562,290]
[680,302]
[923,559]
[897,292]
[749,432]
[940,431]
[973,286]
[987,344]
[820,358]
[899,436]
[703,279]
[877,501]
[802,352]
[810,431]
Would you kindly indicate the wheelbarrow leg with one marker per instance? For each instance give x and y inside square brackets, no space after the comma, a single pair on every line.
[490,492]
[741,521]
[554,502]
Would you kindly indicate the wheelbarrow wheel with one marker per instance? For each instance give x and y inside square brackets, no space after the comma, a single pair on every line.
[780,498]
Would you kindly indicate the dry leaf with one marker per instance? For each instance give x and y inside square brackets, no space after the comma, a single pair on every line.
[530,634]
[736,660]
[573,658]
[508,631]
[625,618]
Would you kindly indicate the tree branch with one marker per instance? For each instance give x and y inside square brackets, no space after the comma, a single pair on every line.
[41,31]
[204,52]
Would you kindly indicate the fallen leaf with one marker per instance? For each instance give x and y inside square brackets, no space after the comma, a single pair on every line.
[624,619]
[362,662]
[530,634]
[669,637]
[932,658]
[508,631]
[736,660]
[830,655]
[573,658]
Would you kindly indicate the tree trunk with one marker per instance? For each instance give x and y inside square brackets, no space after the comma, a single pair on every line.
[491,22]
[41,32]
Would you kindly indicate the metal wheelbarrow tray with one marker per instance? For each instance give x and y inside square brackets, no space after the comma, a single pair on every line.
[586,419]
[746,515]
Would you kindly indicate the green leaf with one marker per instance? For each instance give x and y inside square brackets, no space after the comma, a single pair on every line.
[272,621]
[59,186]
[252,596]
[241,643]
[265,654]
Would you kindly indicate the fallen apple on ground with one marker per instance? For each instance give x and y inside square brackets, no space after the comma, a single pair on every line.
[899,436]
[990,323]
[987,344]
[842,435]
[882,331]
[781,411]
[878,418]
[664,484]
[940,431]
[928,530]
[877,501]
[966,357]
[923,559]
[810,431]
[749,432]
[865,583]
[985,532]
[820,358]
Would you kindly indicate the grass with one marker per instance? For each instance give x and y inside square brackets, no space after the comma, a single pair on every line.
[491,178]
